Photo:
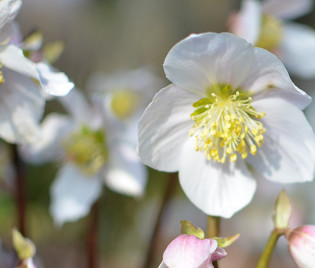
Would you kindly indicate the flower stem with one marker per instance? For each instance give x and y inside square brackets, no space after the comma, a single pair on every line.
[213,229]
[170,190]
[213,226]
[92,237]
[269,248]
[20,189]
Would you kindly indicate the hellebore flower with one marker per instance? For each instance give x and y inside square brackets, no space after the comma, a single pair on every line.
[302,245]
[92,154]
[188,251]
[264,25]
[230,106]
[21,101]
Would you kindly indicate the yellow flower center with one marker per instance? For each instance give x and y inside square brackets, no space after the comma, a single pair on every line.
[225,124]
[87,149]
[271,33]
[124,103]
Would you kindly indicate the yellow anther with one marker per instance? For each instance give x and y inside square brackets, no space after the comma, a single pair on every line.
[233,157]
[226,125]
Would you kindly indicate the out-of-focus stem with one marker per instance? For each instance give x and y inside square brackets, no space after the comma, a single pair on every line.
[213,230]
[20,189]
[170,190]
[269,248]
[92,237]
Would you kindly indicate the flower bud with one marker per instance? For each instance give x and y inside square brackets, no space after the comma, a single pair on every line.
[302,245]
[188,251]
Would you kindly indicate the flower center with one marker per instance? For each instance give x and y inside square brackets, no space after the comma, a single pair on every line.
[271,33]
[225,124]
[124,103]
[87,149]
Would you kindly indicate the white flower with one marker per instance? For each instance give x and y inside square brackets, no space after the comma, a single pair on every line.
[123,95]
[91,154]
[21,101]
[52,81]
[261,23]
[230,106]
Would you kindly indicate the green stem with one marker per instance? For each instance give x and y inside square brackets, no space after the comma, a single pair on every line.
[213,229]
[269,248]
[213,226]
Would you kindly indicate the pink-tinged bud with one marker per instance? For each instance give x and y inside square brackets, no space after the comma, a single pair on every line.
[302,245]
[188,251]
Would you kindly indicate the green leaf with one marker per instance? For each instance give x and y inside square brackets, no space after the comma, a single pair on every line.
[24,247]
[224,242]
[282,211]
[188,228]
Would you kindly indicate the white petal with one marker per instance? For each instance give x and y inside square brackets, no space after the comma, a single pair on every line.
[48,147]
[72,194]
[268,77]
[217,189]
[13,58]
[21,108]
[297,50]
[287,9]
[126,173]
[76,104]
[201,60]
[53,82]
[246,23]
[162,265]
[288,153]
[164,128]
[8,11]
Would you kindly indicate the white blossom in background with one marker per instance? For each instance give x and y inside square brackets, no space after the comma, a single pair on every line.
[21,83]
[231,113]
[91,154]
[21,103]
[52,81]
[265,24]
[123,96]
[188,251]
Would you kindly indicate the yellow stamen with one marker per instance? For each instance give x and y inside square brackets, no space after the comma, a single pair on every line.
[87,149]
[225,124]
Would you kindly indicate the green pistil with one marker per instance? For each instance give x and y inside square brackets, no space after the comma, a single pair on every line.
[87,149]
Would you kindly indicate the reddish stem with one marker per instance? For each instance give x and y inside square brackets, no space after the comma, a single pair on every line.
[92,237]
[170,190]
[20,186]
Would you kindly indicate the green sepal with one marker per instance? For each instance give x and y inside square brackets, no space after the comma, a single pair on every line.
[224,242]
[186,227]
[282,211]
[24,247]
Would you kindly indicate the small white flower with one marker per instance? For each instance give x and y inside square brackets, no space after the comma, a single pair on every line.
[123,95]
[92,153]
[264,25]
[21,101]
[230,106]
